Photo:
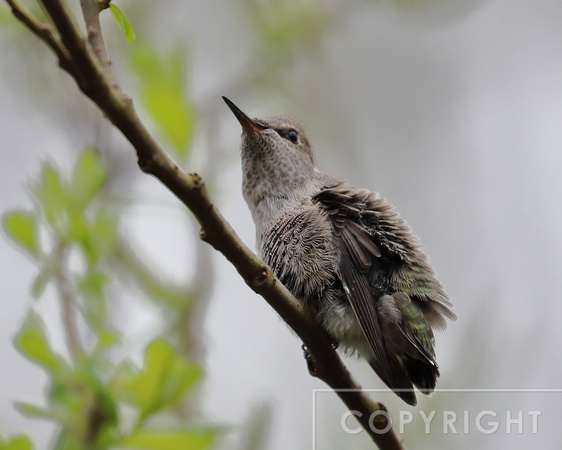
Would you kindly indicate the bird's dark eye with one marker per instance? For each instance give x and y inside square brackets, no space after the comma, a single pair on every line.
[293,136]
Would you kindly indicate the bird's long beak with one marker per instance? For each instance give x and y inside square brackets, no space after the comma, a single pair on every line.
[248,125]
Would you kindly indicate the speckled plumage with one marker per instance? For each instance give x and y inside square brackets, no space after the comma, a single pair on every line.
[344,251]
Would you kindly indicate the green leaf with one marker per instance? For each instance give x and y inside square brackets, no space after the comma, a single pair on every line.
[124,376]
[21,227]
[77,227]
[122,22]
[81,396]
[17,443]
[32,342]
[180,378]
[162,78]
[97,239]
[172,439]
[51,195]
[107,338]
[80,400]
[103,233]
[87,179]
[34,411]
[164,380]
[158,355]
[91,287]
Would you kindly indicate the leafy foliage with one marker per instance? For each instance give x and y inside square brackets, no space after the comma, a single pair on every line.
[16,443]
[162,76]
[169,440]
[162,382]
[88,393]
[21,226]
[31,341]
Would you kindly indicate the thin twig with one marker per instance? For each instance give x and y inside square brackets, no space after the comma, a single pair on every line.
[45,32]
[68,303]
[91,10]
[175,295]
[87,70]
[190,189]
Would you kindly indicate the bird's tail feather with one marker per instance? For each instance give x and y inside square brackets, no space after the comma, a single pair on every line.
[396,379]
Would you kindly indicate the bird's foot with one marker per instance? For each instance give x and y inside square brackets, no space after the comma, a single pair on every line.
[309,361]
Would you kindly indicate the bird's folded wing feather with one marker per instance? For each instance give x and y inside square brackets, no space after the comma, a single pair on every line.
[355,251]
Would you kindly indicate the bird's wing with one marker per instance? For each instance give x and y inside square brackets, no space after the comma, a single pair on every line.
[358,257]
[415,328]
[400,266]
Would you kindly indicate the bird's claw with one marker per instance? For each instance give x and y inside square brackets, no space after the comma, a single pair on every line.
[309,361]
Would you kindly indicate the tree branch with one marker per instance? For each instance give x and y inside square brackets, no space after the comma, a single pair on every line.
[42,31]
[91,10]
[86,68]
[92,79]
[68,304]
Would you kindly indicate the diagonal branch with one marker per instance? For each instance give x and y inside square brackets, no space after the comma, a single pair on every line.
[68,304]
[91,76]
[91,11]
[44,32]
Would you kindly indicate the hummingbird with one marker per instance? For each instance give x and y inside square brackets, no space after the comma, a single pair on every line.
[345,252]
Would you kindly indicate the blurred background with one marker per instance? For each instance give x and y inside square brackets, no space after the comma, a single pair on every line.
[451,109]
